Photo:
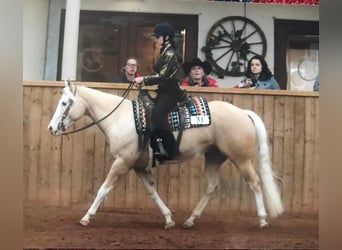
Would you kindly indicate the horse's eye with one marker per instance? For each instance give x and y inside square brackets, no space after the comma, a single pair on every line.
[64,103]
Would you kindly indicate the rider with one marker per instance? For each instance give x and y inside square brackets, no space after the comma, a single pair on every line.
[168,93]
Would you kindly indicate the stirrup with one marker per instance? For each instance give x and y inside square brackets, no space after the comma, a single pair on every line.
[162,153]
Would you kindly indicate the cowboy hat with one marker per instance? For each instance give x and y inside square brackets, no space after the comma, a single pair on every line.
[197,62]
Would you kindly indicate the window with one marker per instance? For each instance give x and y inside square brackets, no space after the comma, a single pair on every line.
[107,39]
[296,53]
[302,62]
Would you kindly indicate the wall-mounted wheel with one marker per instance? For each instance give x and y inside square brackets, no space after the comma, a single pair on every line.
[231,42]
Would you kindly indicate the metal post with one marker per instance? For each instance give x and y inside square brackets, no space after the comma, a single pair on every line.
[69,61]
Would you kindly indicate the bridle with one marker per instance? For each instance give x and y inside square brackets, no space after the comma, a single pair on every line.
[66,111]
[71,101]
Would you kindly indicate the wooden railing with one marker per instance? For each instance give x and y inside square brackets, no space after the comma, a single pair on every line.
[67,171]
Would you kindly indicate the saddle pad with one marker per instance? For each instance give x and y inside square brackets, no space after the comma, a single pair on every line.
[196,113]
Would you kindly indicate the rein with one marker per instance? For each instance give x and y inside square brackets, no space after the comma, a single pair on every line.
[124,95]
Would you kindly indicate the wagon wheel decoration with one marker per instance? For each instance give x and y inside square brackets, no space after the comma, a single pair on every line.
[231,42]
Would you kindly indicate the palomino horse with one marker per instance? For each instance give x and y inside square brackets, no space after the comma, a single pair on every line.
[235,134]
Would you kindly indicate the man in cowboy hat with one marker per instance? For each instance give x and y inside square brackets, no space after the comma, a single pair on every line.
[197,74]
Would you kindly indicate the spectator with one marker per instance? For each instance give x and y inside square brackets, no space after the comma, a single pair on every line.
[316,84]
[258,75]
[197,74]
[128,72]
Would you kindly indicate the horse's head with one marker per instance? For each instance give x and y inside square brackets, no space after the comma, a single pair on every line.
[68,110]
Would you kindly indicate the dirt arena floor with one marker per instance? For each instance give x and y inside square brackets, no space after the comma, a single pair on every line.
[143,229]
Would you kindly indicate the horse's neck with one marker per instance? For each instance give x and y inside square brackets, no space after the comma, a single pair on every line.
[98,103]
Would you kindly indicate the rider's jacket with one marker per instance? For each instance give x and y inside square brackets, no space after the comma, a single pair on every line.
[166,69]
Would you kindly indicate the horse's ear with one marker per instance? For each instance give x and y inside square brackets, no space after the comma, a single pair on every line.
[68,84]
[69,89]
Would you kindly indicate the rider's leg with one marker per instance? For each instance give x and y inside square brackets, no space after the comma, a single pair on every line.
[164,144]
[162,139]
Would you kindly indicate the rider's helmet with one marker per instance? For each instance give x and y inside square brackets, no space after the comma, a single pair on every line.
[164,29]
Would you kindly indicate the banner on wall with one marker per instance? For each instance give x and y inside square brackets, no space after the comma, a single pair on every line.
[308,2]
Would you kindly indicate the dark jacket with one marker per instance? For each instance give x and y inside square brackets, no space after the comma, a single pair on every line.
[316,84]
[167,69]
[121,78]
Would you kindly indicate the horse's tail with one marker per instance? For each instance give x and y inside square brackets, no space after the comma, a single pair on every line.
[270,188]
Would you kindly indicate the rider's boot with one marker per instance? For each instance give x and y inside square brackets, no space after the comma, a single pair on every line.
[164,145]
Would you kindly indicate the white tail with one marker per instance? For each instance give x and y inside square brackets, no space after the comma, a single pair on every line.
[270,188]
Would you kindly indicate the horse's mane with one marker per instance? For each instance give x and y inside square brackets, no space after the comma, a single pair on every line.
[96,94]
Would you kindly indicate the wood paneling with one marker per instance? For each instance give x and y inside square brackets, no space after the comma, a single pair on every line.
[68,171]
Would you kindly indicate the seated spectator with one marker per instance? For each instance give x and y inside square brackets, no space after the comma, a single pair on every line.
[316,84]
[197,74]
[128,72]
[258,75]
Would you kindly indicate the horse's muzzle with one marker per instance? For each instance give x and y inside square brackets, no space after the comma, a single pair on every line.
[54,132]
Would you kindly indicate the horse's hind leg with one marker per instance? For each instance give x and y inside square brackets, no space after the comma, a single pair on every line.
[247,171]
[213,161]
[117,169]
[149,183]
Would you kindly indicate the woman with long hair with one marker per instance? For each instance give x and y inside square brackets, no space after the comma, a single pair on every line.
[258,75]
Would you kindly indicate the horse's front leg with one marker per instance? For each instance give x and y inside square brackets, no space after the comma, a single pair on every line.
[117,169]
[149,183]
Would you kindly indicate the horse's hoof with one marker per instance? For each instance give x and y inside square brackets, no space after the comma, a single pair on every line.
[188,224]
[84,223]
[169,225]
[264,225]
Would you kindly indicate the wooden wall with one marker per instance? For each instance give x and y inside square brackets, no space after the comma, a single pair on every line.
[67,171]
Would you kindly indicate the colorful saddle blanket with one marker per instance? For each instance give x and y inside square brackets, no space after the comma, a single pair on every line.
[194,113]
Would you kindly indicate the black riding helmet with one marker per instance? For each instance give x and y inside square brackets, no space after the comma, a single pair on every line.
[164,29]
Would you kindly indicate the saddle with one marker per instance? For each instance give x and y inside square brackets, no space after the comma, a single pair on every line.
[190,112]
